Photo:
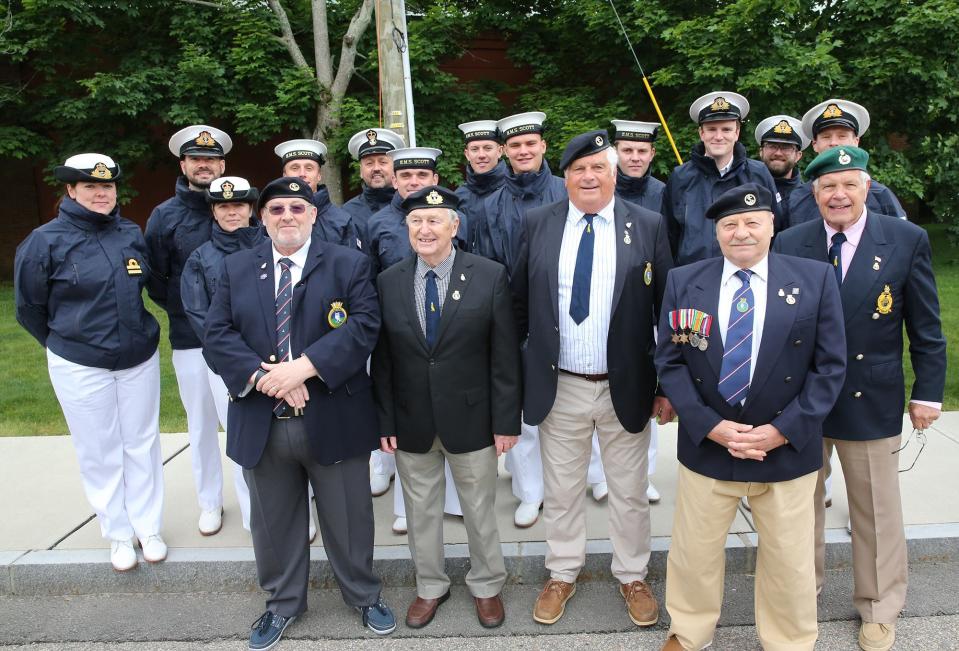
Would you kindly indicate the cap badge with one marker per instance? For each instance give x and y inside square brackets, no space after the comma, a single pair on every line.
[832,111]
[227,189]
[101,171]
[844,158]
[599,141]
[719,104]
[783,127]
[371,136]
[205,139]
[294,186]
[337,315]
[434,198]
[750,199]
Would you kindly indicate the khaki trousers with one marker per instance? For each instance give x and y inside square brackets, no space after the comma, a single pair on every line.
[879,558]
[424,487]
[785,592]
[565,443]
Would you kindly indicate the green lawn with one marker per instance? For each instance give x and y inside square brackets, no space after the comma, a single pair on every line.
[28,405]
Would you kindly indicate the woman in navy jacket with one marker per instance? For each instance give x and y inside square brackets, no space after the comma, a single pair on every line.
[78,281]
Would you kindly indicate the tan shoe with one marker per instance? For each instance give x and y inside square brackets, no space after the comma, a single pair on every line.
[551,602]
[672,644]
[876,637]
[640,603]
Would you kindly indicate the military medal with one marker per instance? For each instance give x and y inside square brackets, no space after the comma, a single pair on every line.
[626,238]
[648,274]
[884,302]
[673,316]
[337,315]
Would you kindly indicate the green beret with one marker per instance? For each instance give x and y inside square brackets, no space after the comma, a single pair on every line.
[837,159]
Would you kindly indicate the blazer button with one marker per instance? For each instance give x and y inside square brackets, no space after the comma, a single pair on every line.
[798,342]
[857,394]
[875,315]
[788,379]
[272,358]
[431,361]
[859,356]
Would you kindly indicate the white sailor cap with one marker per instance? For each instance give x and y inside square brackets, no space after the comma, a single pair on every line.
[479,130]
[636,131]
[231,189]
[302,148]
[420,158]
[373,141]
[719,105]
[782,128]
[521,123]
[835,113]
[87,167]
[200,140]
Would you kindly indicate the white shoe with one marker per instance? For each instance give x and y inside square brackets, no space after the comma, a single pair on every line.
[122,555]
[379,484]
[527,513]
[399,526]
[652,494]
[211,522]
[600,491]
[154,549]
[312,524]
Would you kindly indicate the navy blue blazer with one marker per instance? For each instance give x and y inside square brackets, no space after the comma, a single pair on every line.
[796,378]
[240,333]
[893,253]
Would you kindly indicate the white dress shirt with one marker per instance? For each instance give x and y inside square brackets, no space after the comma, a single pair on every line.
[582,348]
[729,288]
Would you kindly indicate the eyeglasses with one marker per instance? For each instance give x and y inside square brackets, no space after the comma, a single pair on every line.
[276,210]
[779,146]
[921,438]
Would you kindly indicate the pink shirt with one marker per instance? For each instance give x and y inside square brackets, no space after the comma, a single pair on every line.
[853,235]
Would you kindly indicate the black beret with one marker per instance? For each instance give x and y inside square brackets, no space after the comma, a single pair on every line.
[748,197]
[432,196]
[287,186]
[585,144]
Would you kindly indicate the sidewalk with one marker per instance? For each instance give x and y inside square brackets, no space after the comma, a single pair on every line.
[51,544]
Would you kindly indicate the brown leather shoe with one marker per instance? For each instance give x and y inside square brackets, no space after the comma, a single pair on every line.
[421,611]
[672,644]
[551,602]
[640,603]
[489,611]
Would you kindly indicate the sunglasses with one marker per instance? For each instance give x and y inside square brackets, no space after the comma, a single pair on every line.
[296,209]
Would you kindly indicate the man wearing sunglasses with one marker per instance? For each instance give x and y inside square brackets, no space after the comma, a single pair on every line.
[290,329]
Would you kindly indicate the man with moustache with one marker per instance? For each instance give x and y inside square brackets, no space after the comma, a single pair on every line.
[717,163]
[636,146]
[305,158]
[884,271]
[174,230]
[485,171]
[781,144]
[369,147]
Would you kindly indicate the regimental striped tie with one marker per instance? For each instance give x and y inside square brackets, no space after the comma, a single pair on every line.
[738,347]
[284,311]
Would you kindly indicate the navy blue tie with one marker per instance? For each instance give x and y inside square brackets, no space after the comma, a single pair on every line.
[432,305]
[284,311]
[583,273]
[835,255]
[738,347]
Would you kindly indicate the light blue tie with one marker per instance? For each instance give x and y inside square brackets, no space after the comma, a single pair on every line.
[738,347]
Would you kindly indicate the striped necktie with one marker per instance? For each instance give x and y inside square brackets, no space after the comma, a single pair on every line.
[284,311]
[738,347]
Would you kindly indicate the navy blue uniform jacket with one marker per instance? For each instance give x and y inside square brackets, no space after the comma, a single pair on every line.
[901,251]
[240,333]
[796,378]
[635,309]
[645,191]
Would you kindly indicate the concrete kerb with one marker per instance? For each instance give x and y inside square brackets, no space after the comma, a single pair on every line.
[61,572]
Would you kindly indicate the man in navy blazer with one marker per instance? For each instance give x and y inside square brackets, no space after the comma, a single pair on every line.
[751,354]
[289,331]
[884,268]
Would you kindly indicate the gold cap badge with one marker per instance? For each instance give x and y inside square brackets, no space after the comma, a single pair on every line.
[371,136]
[205,139]
[783,127]
[832,111]
[101,171]
[719,104]
[434,198]
[227,189]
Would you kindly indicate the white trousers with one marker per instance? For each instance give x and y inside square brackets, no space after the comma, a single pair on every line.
[202,425]
[525,465]
[114,422]
[221,398]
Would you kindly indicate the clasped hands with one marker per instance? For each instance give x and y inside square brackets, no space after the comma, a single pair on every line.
[746,441]
[287,381]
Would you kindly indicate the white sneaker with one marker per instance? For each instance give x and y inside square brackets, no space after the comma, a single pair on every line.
[399,526]
[154,549]
[652,494]
[379,484]
[122,555]
[211,522]
[312,524]
[527,513]
[600,491]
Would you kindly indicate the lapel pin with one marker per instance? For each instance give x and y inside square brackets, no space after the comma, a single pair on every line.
[456,294]
[626,238]
[263,266]
[791,300]
[463,277]
[262,276]
[629,224]
[795,290]
[876,261]
[781,292]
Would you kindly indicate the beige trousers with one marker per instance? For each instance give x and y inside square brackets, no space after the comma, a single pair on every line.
[785,592]
[424,485]
[879,558]
[565,443]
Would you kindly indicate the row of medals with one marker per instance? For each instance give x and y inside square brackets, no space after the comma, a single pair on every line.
[695,340]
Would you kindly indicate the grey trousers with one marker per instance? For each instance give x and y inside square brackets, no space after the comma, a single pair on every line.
[279,520]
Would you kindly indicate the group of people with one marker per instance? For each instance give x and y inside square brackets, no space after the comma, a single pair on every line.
[553,320]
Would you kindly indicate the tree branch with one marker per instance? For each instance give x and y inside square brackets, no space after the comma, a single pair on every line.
[321,44]
[287,35]
[203,3]
[358,25]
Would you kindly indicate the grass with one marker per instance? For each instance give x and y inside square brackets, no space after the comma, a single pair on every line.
[28,405]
